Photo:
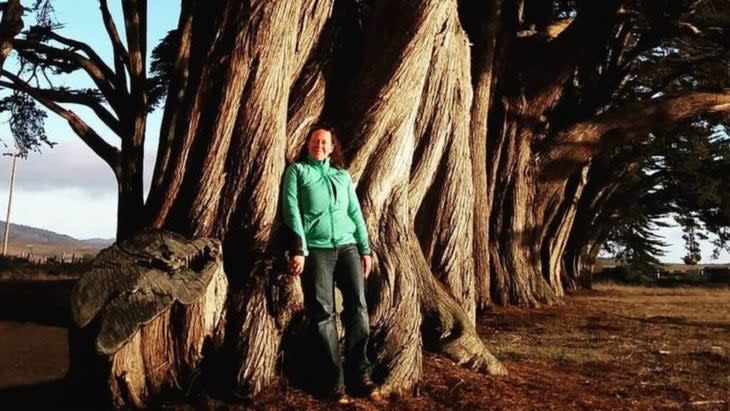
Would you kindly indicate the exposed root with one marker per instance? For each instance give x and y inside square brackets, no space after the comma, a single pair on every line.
[157,302]
[446,329]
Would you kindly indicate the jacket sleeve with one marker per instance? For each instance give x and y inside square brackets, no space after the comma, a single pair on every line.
[355,213]
[291,213]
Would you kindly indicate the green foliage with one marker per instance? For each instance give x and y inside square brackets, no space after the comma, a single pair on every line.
[161,68]
[683,171]
[690,236]
[684,179]
[26,118]
[633,239]
[27,123]
[43,61]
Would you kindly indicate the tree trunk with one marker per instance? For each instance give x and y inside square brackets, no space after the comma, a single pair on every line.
[10,26]
[484,36]
[516,258]
[148,311]
[197,190]
[130,204]
[414,175]
[526,94]
[221,166]
[557,233]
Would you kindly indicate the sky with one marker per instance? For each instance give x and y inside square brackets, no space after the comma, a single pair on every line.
[69,190]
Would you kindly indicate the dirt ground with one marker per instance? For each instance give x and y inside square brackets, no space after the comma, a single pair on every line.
[612,348]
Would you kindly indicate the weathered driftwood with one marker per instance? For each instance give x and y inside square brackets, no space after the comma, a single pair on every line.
[147,307]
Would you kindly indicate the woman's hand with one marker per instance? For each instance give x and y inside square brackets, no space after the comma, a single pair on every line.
[367,265]
[296,265]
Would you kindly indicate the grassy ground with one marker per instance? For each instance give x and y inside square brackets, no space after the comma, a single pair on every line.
[612,348]
[21,269]
[621,347]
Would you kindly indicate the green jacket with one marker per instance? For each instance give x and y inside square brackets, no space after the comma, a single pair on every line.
[320,205]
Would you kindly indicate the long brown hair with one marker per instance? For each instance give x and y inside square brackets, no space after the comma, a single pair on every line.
[337,158]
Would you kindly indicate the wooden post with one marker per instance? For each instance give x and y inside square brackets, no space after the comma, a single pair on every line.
[10,200]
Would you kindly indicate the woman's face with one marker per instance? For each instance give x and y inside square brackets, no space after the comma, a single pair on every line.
[319,145]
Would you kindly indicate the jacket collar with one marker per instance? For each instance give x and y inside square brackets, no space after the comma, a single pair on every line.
[324,163]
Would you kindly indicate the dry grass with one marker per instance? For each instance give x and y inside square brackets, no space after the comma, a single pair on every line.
[630,347]
[49,250]
[612,348]
[705,305]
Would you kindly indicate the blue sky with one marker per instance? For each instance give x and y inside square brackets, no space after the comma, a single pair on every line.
[68,189]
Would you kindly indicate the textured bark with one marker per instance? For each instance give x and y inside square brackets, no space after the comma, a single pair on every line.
[573,149]
[557,234]
[10,26]
[484,36]
[523,217]
[382,162]
[446,328]
[212,155]
[414,170]
[458,174]
[133,117]
[252,139]
[586,237]
[515,258]
[154,305]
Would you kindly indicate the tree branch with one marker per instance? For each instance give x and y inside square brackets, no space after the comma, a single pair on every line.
[63,96]
[106,151]
[95,72]
[176,95]
[575,44]
[575,146]
[10,26]
[86,49]
[135,22]
[121,56]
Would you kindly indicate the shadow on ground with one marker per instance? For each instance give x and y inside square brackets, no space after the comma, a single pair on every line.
[49,395]
[42,302]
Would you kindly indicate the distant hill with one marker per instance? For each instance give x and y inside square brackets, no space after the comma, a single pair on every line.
[98,242]
[23,239]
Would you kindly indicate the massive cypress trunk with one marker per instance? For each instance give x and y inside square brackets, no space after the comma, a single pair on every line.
[230,121]
[470,176]
[223,180]
[529,225]
[482,24]
[411,157]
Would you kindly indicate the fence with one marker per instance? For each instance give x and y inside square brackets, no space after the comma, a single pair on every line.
[65,258]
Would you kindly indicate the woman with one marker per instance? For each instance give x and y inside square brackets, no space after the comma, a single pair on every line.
[321,208]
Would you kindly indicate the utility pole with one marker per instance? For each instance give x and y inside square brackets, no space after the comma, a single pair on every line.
[10,200]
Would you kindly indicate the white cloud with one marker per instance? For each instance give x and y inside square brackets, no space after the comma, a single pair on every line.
[71,211]
[70,164]
[675,251]
[67,189]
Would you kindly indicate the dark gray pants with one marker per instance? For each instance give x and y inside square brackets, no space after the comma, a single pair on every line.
[322,269]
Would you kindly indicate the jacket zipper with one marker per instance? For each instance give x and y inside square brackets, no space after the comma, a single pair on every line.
[329,205]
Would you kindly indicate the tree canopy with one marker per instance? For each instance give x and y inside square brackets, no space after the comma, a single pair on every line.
[680,169]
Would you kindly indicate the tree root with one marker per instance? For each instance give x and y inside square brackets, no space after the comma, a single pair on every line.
[447,330]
